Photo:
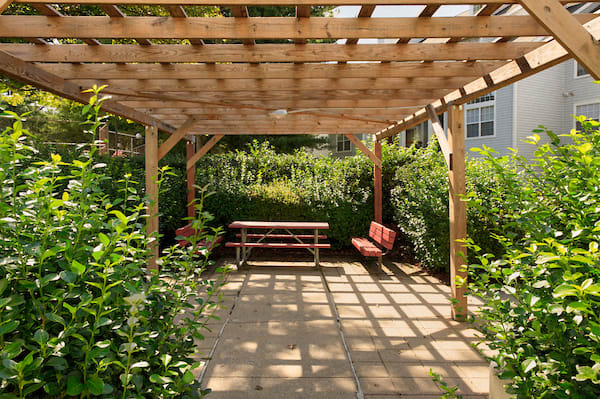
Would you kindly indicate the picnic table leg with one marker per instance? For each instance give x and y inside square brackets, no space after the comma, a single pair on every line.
[237,257]
[316,248]
[244,235]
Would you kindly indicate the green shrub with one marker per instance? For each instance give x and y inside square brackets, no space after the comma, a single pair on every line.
[542,297]
[80,313]
[420,203]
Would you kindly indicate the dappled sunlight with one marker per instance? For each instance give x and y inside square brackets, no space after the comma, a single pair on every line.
[282,336]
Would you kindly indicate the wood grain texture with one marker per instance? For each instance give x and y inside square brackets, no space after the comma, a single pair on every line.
[364,149]
[202,151]
[287,2]
[151,165]
[546,56]
[272,71]
[270,52]
[100,27]
[458,210]
[567,30]
[17,69]
[177,135]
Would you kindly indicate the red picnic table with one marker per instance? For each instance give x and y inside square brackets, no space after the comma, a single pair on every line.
[269,238]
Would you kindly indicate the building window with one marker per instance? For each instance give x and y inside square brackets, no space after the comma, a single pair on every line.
[483,99]
[343,143]
[580,70]
[417,135]
[480,121]
[591,111]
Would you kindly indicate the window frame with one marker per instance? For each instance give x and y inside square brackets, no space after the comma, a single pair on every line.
[582,103]
[343,140]
[479,106]
[575,75]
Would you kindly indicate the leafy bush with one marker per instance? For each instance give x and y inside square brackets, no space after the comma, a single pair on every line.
[420,203]
[261,184]
[542,297]
[80,314]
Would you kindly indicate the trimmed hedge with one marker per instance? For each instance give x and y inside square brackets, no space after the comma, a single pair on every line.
[264,185]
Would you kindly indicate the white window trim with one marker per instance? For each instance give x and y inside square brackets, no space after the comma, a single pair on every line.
[344,138]
[482,105]
[579,103]
[575,76]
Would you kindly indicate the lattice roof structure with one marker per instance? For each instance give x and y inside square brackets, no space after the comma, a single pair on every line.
[233,85]
[219,76]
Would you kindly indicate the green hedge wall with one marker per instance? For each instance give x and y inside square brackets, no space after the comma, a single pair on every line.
[264,185]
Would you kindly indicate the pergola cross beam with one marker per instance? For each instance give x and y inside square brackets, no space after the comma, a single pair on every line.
[202,151]
[364,149]
[567,30]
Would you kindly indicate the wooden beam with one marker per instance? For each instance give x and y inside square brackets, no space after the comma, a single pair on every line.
[538,60]
[567,30]
[438,129]
[259,117]
[202,151]
[4,4]
[190,148]
[101,27]
[233,97]
[270,52]
[272,71]
[378,186]
[24,72]
[363,148]
[364,12]
[180,133]
[327,105]
[271,85]
[287,2]
[151,165]
[458,211]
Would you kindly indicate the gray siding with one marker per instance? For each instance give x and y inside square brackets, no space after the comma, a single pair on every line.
[503,125]
[579,91]
[539,101]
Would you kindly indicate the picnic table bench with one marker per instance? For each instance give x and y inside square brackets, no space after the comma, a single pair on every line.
[269,239]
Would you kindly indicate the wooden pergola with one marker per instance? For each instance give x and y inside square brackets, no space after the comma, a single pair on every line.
[231,85]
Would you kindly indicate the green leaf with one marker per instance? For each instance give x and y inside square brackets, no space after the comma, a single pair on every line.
[56,318]
[140,365]
[96,386]
[104,239]
[74,386]
[528,365]
[159,379]
[8,326]
[578,306]
[188,377]
[77,268]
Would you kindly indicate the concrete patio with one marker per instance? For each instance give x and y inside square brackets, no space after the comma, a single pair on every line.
[292,331]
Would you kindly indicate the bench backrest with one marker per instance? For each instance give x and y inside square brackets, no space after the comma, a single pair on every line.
[382,235]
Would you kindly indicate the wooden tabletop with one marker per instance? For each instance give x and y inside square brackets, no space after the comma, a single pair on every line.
[279,225]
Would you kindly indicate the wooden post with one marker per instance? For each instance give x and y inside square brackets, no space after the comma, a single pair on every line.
[458,210]
[378,214]
[103,138]
[151,145]
[191,179]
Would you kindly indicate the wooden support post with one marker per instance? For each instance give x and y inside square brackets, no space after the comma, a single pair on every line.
[205,148]
[103,139]
[151,145]
[191,179]
[568,31]
[363,148]
[378,185]
[458,210]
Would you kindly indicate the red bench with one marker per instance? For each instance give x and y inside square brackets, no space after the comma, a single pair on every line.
[188,230]
[382,240]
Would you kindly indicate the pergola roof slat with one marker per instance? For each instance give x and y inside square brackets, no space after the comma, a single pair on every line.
[270,52]
[100,27]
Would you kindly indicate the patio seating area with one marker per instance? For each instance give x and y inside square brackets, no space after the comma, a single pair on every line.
[341,331]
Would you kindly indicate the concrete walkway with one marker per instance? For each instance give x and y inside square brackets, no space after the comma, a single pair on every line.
[340,332]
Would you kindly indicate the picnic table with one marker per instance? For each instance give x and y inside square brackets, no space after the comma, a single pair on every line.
[277,235]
